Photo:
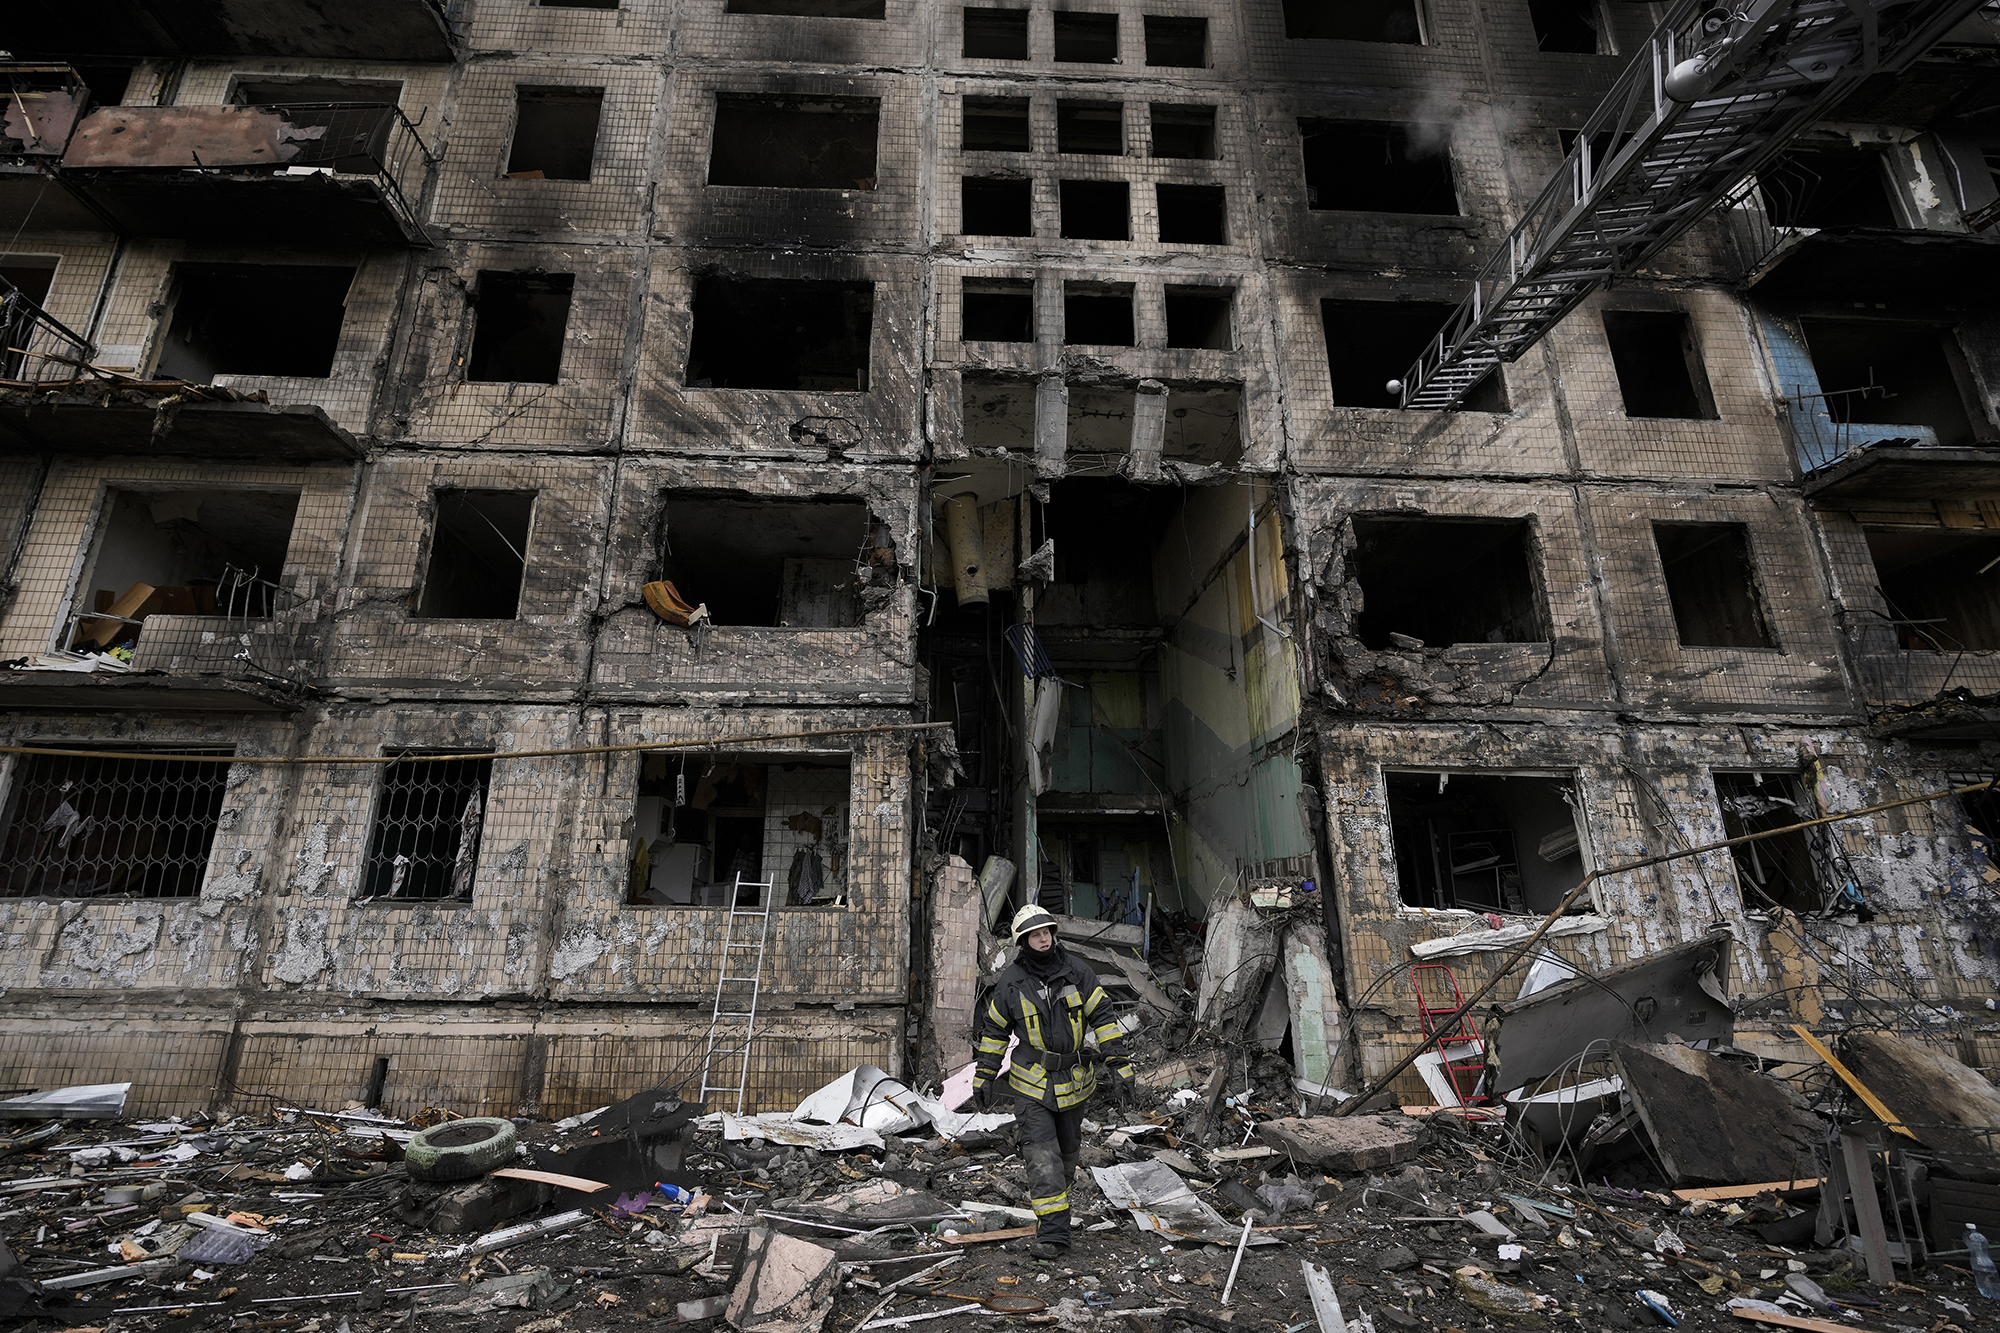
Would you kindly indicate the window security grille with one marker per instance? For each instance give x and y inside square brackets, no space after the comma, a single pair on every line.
[83,827]
[427,827]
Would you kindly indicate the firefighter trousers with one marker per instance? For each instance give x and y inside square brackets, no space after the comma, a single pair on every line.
[1050,1142]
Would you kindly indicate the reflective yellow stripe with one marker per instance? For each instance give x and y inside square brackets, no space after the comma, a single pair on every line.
[1109,1032]
[992,1045]
[1056,1203]
[994,1012]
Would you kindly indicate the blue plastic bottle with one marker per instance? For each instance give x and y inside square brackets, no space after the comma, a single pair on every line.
[673,1193]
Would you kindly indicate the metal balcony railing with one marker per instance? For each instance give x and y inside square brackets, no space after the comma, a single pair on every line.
[35,347]
[362,139]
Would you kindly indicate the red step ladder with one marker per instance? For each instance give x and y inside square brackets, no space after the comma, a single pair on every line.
[1462,1048]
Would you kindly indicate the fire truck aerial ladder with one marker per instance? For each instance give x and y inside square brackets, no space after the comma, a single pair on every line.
[1717,92]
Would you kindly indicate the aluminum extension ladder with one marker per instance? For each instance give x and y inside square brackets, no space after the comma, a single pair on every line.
[736,992]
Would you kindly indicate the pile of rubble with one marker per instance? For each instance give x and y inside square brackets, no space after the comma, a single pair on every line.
[1633,1179]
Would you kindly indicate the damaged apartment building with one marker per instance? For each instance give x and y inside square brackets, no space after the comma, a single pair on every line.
[960,439]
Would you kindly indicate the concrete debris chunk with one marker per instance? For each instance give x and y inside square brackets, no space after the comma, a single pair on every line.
[1714,1123]
[787,1285]
[1353,1144]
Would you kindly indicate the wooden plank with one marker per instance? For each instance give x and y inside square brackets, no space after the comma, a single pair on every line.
[1242,1154]
[551,1178]
[1794,1321]
[1749,1191]
[981,1237]
[1867,1208]
[1848,1077]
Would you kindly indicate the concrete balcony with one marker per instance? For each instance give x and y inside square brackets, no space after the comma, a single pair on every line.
[326,174]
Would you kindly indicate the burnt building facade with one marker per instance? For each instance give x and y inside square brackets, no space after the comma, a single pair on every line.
[1006,387]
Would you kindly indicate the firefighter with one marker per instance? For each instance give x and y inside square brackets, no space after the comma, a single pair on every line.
[1049,999]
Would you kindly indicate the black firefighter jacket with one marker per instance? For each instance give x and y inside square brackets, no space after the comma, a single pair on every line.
[1051,1065]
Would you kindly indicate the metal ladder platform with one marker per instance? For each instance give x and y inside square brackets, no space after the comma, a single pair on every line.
[733,1020]
[1710,98]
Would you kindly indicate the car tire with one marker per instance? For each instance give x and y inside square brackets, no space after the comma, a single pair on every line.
[460,1149]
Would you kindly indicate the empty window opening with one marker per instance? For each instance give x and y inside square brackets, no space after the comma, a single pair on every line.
[1982,811]
[1098,314]
[777,333]
[811,9]
[1354,21]
[30,275]
[1828,187]
[996,206]
[778,563]
[704,822]
[1180,130]
[1575,27]
[1096,210]
[996,34]
[1089,39]
[81,827]
[107,83]
[1712,583]
[996,125]
[1363,167]
[1943,588]
[479,552]
[1659,371]
[555,133]
[1090,127]
[1192,214]
[1886,372]
[802,143]
[517,328]
[1176,43]
[1444,581]
[999,311]
[1200,317]
[1786,871]
[213,552]
[253,319]
[1370,343]
[1484,841]
[429,814]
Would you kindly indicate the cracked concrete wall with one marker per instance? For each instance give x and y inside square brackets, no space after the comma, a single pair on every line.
[206,943]
[1569,665]
[377,641]
[638,655]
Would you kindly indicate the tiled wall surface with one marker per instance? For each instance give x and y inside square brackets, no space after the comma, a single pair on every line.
[547,965]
